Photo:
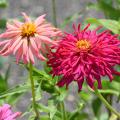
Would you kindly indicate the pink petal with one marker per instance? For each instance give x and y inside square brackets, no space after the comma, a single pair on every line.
[31,56]
[17,23]
[40,20]
[11,27]
[17,41]
[13,116]
[9,34]
[33,44]
[4,42]
[27,19]
[38,42]
[25,51]
[41,57]
[5,48]
[19,54]
[46,40]
[18,46]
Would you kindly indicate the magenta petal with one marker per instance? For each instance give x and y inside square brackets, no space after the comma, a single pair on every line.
[85,54]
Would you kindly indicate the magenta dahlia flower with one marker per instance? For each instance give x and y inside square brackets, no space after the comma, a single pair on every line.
[7,114]
[28,39]
[85,55]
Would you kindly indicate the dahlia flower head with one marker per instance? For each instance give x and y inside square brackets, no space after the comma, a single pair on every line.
[28,39]
[85,55]
[7,114]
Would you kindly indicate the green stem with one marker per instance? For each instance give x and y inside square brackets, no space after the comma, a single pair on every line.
[54,13]
[33,91]
[64,116]
[106,103]
[109,99]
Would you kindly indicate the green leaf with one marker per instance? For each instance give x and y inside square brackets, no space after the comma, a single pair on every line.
[104,116]
[50,109]
[45,117]
[96,105]
[112,25]
[3,84]
[47,82]
[108,85]
[12,99]
[38,93]
[3,3]
[59,95]
[109,91]
[78,115]
[47,69]
[76,112]
[18,89]
[108,8]
[43,108]
[110,88]
[113,117]
[85,96]
[7,74]
[2,23]
[33,117]
[53,109]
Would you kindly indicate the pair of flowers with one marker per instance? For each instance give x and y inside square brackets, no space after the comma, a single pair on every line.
[78,56]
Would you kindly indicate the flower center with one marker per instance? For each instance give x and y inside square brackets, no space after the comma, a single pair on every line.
[83,44]
[28,29]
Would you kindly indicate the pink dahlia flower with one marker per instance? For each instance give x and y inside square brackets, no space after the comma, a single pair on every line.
[28,39]
[85,55]
[7,114]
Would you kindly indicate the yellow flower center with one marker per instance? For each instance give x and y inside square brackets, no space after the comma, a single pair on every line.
[83,44]
[28,29]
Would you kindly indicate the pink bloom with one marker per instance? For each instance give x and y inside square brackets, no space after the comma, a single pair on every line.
[7,114]
[28,39]
[85,55]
